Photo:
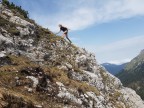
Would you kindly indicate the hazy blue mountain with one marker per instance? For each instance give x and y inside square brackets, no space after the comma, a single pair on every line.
[114,68]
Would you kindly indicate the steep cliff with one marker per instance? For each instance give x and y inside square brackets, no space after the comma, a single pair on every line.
[39,69]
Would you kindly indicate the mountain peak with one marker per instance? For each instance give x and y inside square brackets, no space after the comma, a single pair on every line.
[142,51]
[132,74]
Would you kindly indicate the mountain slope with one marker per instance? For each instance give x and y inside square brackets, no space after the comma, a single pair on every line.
[133,74]
[113,68]
[41,70]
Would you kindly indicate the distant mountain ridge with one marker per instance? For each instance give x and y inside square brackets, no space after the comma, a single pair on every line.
[114,68]
[133,74]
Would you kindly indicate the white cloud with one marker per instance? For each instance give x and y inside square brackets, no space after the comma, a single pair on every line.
[83,13]
[118,62]
[120,51]
[137,41]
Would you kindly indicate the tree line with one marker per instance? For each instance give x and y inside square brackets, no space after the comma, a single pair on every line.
[18,8]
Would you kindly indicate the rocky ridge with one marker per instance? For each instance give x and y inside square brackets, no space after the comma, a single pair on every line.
[41,70]
[132,75]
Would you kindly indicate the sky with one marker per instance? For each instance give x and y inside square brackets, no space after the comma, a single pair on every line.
[111,29]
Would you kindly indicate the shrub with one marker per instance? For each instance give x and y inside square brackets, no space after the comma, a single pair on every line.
[3,22]
[14,31]
[17,8]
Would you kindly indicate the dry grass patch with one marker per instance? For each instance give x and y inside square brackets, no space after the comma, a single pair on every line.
[17,64]
[61,76]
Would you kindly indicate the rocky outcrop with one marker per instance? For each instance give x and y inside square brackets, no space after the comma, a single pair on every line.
[64,73]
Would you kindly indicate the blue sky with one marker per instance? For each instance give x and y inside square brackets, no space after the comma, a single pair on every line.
[112,29]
